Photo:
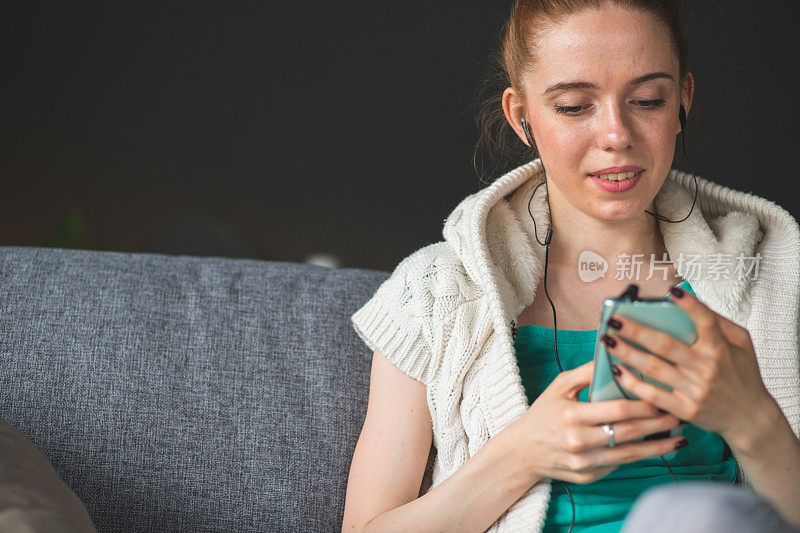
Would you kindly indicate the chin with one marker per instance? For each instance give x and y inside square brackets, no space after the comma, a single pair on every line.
[620,210]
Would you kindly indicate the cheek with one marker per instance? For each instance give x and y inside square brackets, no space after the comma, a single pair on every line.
[660,142]
[571,144]
[659,135]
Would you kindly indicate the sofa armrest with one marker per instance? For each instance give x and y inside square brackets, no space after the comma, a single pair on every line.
[33,497]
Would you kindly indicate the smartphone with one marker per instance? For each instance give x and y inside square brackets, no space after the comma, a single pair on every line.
[656,313]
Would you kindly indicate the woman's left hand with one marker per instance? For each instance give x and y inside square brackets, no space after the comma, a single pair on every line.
[716,383]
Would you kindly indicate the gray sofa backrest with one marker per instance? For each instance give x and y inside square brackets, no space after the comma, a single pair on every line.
[183,393]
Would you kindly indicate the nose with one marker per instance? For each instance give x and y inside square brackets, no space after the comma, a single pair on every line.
[615,133]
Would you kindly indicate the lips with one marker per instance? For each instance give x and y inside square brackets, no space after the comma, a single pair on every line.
[617,186]
[616,170]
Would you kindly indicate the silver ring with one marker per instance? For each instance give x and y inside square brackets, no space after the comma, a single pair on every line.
[610,432]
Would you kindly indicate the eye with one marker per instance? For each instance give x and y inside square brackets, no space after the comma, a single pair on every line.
[568,110]
[646,104]
[650,104]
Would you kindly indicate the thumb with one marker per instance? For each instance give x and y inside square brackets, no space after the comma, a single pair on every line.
[577,379]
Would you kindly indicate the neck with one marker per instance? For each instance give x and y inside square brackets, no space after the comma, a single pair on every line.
[621,242]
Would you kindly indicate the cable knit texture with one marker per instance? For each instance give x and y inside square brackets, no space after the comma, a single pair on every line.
[443,316]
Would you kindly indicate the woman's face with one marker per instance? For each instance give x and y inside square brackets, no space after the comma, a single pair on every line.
[579,130]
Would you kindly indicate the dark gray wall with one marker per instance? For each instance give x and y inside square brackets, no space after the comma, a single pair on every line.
[277,131]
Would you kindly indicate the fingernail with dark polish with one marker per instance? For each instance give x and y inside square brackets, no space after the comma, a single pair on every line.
[608,340]
[615,369]
[614,324]
[682,422]
[677,291]
[681,443]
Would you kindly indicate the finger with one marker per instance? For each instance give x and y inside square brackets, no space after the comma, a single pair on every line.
[630,452]
[626,431]
[593,413]
[732,331]
[585,476]
[652,340]
[704,318]
[651,365]
[652,394]
[571,382]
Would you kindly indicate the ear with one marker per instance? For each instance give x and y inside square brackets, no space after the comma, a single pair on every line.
[687,93]
[513,108]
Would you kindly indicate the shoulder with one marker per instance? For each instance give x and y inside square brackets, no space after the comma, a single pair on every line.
[404,315]
[424,288]
[436,275]
[720,200]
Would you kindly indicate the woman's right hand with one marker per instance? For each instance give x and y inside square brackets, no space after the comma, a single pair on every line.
[563,438]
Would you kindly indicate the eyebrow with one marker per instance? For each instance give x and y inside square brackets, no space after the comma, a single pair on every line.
[587,85]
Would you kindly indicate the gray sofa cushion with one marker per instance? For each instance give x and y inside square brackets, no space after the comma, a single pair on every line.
[183,393]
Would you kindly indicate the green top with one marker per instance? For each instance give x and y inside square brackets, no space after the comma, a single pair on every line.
[601,506]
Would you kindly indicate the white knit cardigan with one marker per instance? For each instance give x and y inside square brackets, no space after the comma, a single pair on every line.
[444,315]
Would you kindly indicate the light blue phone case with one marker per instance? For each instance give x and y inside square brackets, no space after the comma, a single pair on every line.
[655,313]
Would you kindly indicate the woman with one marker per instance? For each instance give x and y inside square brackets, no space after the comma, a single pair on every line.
[464,330]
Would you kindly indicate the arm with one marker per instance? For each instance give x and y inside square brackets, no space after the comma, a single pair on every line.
[472,499]
[32,495]
[769,453]
[391,455]
[392,451]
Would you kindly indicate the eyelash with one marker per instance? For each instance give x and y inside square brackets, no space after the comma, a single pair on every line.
[566,109]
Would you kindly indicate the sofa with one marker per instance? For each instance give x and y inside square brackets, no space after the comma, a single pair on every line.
[150,392]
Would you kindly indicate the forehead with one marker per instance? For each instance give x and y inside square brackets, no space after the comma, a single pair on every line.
[607,46]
